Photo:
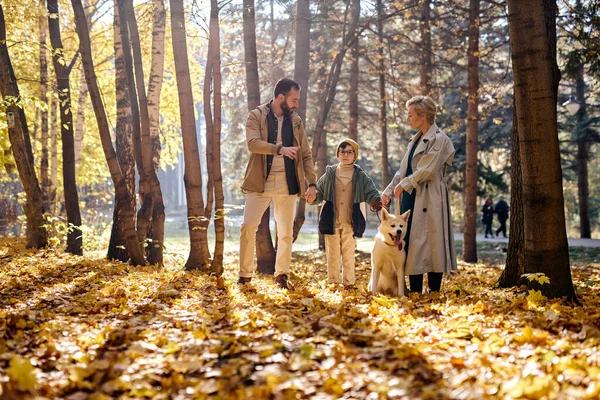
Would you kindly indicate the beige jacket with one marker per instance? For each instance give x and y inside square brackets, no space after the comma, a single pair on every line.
[431,246]
[257,140]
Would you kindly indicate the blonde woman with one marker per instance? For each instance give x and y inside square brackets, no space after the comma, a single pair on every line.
[421,184]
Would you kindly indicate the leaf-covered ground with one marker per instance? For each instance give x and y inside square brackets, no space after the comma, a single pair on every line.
[79,328]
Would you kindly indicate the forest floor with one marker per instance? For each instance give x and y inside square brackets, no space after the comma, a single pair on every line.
[86,328]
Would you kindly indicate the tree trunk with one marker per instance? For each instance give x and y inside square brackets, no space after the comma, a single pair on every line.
[532,27]
[197,223]
[139,113]
[515,259]
[385,166]
[81,104]
[45,178]
[157,207]
[353,89]
[125,151]
[470,241]
[74,234]
[426,51]
[265,252]
[17,132]
[123,198]
[583,157]
[301,75]
[53,153]
[213,137]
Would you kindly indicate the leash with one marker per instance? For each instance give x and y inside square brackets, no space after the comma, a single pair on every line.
[374,207]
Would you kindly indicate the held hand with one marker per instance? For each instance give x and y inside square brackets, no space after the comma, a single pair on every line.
[398,191]
[289,152]
[311,194]
[385,200]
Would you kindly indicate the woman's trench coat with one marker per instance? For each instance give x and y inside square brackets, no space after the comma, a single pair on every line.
[431,247]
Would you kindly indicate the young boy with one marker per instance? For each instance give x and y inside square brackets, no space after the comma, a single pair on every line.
[344,187]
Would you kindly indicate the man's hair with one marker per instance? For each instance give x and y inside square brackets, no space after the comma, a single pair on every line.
[284,86]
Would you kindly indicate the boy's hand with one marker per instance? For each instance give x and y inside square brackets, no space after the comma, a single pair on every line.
[311,194]
[289,152]
[385,200]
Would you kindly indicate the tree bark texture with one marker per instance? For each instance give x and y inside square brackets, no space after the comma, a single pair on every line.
[17,128]
[124,149]
[470,241]
[44,173]
[583,158]
[532,27]
[74,234]
[197,223]
[426,49]
[385,166]
[123,198]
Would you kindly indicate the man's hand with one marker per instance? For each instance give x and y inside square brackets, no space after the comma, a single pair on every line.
[289,152]
[385,200]
[311,194]
[398,191]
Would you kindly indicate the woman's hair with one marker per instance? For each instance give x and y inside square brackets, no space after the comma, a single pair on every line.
[423,105]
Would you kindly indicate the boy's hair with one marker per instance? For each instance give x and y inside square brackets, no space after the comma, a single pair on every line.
[284,86]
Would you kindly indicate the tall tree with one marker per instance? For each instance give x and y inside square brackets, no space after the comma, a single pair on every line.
[532,27]
[301,75]
[53,152]
[353,89]
[385,166]
[265,252]
[426,49]
[45,178]
[471,175]
[213,138]
[19,136]
[583,158]
[197,223]
[124,149]
[157,206]
[81,101]
[62,71]
[131,242]
[139,115]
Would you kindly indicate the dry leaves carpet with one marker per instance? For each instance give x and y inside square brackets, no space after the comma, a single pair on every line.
[82,328]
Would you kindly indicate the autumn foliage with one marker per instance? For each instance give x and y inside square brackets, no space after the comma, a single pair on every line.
[79,328]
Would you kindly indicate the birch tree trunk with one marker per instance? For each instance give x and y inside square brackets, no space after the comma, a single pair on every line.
[157,206]
[17,132]
[124,149]
[131,242]
[74,234]
[197,223]
[532,27]
[53,153]
[470,241]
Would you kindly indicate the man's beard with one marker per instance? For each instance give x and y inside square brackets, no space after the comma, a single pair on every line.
[287,111]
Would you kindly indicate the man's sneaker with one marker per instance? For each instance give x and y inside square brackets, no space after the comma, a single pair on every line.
[243,281]
[282,281]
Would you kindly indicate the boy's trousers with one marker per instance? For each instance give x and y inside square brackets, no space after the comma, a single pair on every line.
[341,246]
[276,191]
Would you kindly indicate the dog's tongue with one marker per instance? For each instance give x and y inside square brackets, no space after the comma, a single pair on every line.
[397,240]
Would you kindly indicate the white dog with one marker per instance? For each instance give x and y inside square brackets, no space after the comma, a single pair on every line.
[388,255]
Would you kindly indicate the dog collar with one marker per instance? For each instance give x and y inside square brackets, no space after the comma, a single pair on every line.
[400,246]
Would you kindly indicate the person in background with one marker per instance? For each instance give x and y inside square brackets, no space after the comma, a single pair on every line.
[501,209]
[488,217]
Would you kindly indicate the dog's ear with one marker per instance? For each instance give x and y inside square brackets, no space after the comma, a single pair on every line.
[384,214]
[405,215]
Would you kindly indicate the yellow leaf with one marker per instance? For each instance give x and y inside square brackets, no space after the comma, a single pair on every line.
[172,348]
[22,374]
[535,296]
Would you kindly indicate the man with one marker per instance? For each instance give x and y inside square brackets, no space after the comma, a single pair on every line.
[501,209]
[280,164]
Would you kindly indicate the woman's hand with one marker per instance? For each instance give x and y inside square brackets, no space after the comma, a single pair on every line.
[398,191]
[385,200]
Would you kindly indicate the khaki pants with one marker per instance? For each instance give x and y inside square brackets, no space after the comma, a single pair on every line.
[276,191]
[341,245]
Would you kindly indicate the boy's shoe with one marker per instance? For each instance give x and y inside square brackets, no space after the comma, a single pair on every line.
[349,287]
[282,281]
[243,281]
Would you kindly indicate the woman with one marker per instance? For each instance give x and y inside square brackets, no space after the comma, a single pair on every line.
[488,216]
[421,183]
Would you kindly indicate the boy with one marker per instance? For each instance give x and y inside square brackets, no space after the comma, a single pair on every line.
[344,187]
